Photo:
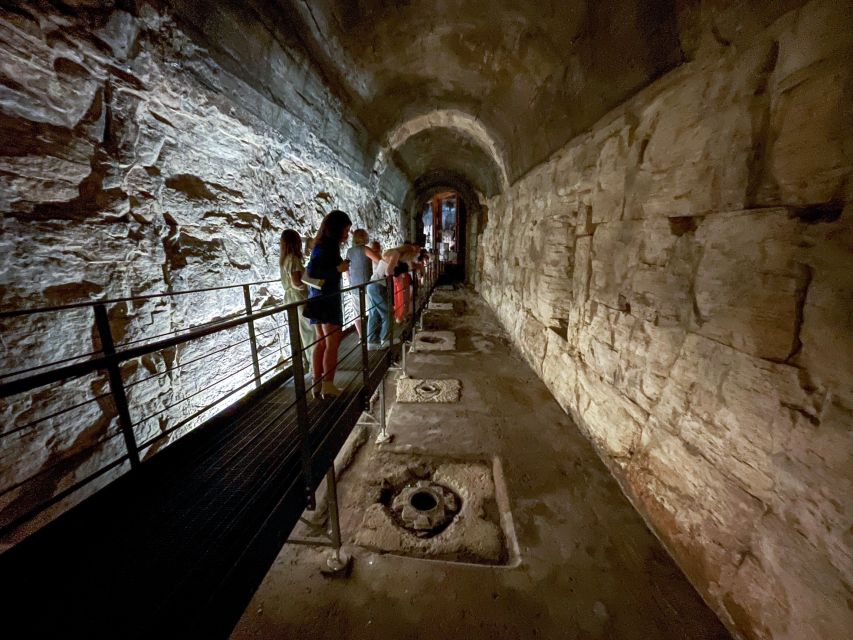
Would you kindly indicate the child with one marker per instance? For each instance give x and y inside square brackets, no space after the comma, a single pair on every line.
[292,269]
[402,282]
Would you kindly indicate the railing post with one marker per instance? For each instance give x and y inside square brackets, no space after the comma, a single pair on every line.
[332,502]
[403,362]
[382,437]
[340,561]
[365,361]
[247,298]
[102,322]
[296,350]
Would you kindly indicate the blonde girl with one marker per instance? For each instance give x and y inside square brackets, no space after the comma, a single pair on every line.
[292,269]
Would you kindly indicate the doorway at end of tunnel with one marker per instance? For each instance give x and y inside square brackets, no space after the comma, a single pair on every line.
[441,228]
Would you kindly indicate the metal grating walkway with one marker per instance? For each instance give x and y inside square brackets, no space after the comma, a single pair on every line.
[177,547]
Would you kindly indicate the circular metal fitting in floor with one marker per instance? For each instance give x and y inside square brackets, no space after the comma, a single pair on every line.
[425,508]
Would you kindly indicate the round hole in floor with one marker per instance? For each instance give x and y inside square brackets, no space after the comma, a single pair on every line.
[423,501]
[423,507]
[431,339]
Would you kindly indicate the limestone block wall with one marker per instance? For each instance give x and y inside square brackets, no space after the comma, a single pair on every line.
[159,148]
[681,276]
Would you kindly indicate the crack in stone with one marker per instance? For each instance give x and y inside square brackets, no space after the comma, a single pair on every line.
[804,280]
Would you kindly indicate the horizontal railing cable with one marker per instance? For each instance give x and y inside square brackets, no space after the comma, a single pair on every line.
[38,380]
[46,470]
[149,296]
[251,428]
[54,415]
[76,370]
[11,313]
[199,391]
[54,363]
[130,385]
[173,332]
[58,497]
[260,425]
[274,328]
[342,358]
[185,421]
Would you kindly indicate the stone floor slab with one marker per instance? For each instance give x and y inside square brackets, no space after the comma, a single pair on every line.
[428,390]
[434,341]
[474,535]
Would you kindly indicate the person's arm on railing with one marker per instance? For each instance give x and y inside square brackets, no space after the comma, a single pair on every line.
[391,259]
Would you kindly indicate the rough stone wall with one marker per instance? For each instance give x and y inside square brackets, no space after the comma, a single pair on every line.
[694,316]
[133,163]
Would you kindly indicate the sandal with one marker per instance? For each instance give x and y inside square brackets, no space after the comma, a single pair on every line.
[329,390]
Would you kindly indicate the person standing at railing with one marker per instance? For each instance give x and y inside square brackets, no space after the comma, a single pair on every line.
[417,272]
[360,269]
[423,265]
[291,265]
[402,285]
[375,252]
[378,327]
[324,305]
[379,318]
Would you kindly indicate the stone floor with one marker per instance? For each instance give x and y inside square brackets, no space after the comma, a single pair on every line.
[588,567]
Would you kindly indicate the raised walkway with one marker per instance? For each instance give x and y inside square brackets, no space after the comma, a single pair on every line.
[177,546]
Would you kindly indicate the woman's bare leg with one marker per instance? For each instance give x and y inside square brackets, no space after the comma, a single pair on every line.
[333,335]
[318,354]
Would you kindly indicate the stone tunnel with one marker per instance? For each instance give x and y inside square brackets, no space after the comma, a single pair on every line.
[656,199]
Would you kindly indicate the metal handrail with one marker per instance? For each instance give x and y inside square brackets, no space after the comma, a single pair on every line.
[113,357]
[22,385]
[148,296]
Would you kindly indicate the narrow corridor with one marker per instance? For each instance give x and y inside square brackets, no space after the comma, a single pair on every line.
[650,204]
[589,567]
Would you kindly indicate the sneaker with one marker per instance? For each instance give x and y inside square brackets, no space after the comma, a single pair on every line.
[373,346]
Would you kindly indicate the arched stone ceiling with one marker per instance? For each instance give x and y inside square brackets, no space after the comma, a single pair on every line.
[450,150]
[535,73]
[459,121]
